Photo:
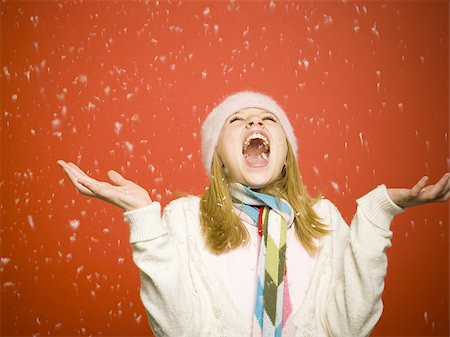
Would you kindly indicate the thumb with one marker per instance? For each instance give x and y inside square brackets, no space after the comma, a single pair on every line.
[116,177]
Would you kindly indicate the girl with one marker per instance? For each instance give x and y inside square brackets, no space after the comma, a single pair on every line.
[255,255]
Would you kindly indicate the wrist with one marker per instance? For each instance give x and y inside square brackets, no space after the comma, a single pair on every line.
[139,205]
[395,196]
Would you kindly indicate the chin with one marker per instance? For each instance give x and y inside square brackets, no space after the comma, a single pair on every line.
[257,178]
[257,182]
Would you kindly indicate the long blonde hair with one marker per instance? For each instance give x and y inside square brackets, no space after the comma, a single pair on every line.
[223,229]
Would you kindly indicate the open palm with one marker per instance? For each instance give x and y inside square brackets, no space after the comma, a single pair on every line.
[421,194]
[124,193]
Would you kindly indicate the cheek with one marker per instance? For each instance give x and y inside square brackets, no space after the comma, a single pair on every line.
[281,146]
[228,151]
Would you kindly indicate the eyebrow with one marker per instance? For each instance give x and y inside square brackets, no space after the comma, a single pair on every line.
[264,112]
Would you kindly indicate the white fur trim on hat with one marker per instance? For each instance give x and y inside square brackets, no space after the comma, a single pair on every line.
[212,125]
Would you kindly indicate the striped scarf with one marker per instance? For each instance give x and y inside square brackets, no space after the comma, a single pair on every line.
[273,305]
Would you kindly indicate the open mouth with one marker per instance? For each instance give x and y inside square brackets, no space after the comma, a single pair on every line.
[256,149]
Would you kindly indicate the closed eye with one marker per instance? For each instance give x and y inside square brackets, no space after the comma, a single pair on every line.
[270,118]
[236,118]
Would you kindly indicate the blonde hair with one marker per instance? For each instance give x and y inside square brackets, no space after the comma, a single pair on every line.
[223,229]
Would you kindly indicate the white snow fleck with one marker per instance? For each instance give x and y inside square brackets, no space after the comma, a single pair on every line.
[335,186]
[4,261]
[6,72]
[117,127]
[34,20]
[56,123]
[74,224]
[8,285]
[31,222]
[374,30]
[82,79]
[206,11]
[138,319]
[129,146]
[364,9]
[327,20]
[306,64]
[316,170]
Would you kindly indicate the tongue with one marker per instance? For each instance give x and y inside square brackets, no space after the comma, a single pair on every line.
[255,155]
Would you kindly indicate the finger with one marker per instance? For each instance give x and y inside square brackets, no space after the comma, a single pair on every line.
[100,190]
[444,197]
[419,186]
[74,179]
[440,188]
[81,174]
[117,178]
[79,171]
[71,174]
[446,190]
[92,186]
[63,164]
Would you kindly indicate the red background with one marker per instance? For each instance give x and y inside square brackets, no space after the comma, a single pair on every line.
[126,86]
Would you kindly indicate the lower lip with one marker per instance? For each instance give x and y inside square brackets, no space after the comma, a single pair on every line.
[257,164]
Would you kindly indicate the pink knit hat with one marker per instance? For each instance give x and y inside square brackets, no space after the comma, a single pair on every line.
[246,99]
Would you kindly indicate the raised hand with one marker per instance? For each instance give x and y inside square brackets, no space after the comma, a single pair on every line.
[124,194]
[421,194]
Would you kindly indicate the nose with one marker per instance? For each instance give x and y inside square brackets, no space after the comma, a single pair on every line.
[253,121]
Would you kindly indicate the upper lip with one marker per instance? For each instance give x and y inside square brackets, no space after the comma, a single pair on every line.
[248,134]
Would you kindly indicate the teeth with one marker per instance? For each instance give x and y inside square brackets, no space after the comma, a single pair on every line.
[256,136]
[264,155]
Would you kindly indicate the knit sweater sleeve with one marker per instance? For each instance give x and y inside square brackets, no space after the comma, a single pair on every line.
[354,303]
[167,290]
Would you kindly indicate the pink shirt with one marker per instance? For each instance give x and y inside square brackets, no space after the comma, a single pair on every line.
[238,269]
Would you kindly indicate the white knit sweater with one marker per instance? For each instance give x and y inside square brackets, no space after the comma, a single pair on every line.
[184,294]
